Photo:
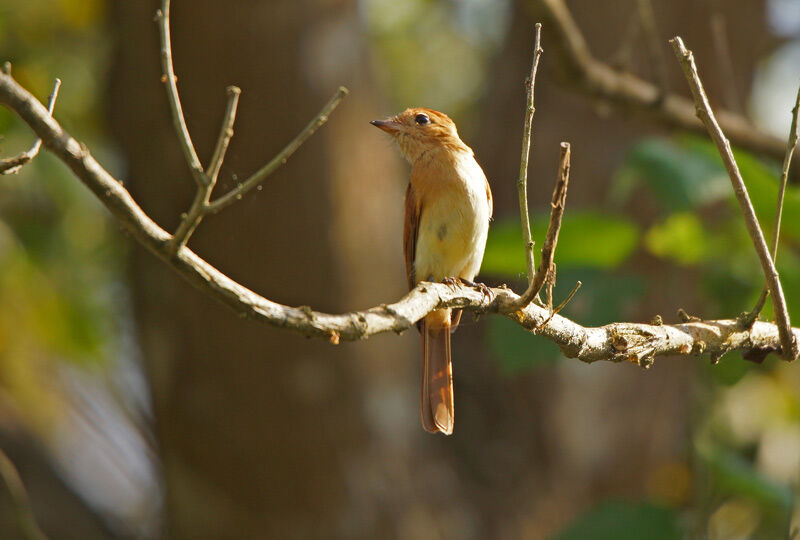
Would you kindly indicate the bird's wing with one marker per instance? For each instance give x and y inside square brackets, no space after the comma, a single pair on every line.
[489,198]
[410,226]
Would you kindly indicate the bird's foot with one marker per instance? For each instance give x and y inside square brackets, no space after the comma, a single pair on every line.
[452,281]
[479,286]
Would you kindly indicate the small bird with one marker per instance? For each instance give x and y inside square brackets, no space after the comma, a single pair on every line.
[448,208]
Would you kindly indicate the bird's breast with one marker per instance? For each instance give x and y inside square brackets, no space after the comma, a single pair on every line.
[453,223]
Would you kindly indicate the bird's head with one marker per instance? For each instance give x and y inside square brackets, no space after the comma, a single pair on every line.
[419,130]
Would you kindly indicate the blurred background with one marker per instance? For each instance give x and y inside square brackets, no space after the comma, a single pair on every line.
[132,406]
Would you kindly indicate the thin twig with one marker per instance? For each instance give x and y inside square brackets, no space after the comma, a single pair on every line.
[562,305]
[557,205]
[568,299]
[191,219]
[788,342]
[202,204]
[719,36]
[26,521]
[14,164]
[787,161]
[259,176]
[225,134]
[658,62]
[169,78]
[640,341]
[199,208]
[623,56]
[522,181]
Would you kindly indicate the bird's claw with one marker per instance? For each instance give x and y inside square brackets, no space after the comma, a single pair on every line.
[487,292]
[452,281]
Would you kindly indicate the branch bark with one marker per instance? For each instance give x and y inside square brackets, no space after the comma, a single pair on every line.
[14,164]
[706,115]
[776,233]
[628,93]
[522,180]
[637,343]
[557,206]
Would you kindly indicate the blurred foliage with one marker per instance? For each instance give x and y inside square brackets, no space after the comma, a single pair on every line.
[59,258]
[438,51]
[618,520]
[588,239]
[745,455]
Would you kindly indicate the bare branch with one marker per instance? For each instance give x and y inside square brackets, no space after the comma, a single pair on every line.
[260,175]
[225,134]
[719,35]
[787,161]
[637,343]
[557,206]
[169,78]
[658,62]
[630,94]
[522,181]
[14,164]
[199,207]
[26,521]
[202,205]
[789,344]
[623,57]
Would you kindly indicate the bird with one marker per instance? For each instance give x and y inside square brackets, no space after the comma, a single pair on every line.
[448,206]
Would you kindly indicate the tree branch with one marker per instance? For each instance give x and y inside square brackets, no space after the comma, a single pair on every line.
[522,181]
[14,164]
[637,343]
[260,175]
[776,232]
[722,49]
[169,78]
[225,134]
[658,62]
[631,94]
[26,521]
[199,207]
[202,206]
[551,239]
[704,112]
[207,179]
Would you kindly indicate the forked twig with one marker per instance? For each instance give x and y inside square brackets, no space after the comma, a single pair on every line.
[206,179]
[706,115]
[557,206]
[14,164]
[522,181]
[259,176]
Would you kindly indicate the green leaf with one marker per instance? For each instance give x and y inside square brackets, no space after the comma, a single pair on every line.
[680,178]
[732,475]
[595,240]
[680,238]
[505,251]
[587,239]
[621,520]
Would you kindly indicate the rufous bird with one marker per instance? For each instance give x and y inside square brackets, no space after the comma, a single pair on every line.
[448,208]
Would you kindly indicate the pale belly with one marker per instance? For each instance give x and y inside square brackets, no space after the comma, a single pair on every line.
[451,237]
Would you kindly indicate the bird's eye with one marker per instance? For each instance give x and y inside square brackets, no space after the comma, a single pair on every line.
[422,119]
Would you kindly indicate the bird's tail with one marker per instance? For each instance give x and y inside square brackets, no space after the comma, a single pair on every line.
[437,373]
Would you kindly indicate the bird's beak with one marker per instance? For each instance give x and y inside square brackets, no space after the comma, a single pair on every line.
[389,126]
